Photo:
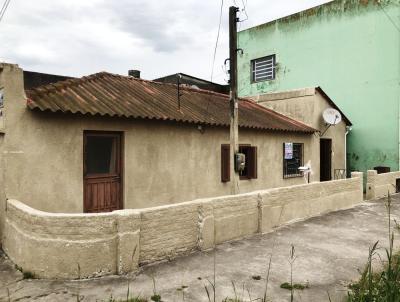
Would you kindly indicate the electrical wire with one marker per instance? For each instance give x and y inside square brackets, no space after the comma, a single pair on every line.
[4,8]
[214,56]
[216,42]
[388,16]
[244,10]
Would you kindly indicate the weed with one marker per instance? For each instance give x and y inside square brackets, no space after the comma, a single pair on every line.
[382,286]
[298,286]
[28,275]
[133,299]
[155,298]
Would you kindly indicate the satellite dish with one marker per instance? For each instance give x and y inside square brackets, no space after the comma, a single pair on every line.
[332,116]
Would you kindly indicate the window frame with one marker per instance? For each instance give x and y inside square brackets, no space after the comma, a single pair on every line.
[284,170]
[225,162]
[117,140]
[252,69]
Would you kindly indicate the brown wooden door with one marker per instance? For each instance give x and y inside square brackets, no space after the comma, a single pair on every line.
[102,171]
[325,159]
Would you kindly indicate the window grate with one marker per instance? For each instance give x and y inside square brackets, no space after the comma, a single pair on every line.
[292,164]
[263,69]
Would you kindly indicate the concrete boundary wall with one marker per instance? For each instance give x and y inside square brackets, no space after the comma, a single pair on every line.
[68,246]
[378,185]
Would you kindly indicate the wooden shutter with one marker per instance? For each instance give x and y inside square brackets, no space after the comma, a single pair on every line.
[252,162]
[225,163]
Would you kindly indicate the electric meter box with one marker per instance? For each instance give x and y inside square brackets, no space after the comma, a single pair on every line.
[240,162]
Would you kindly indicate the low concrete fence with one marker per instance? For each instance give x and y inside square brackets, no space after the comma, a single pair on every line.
[87,245]
[378,185]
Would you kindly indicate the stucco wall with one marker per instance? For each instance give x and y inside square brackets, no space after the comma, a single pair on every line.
[307,105]
[54,245]
[379,185]
[164,162]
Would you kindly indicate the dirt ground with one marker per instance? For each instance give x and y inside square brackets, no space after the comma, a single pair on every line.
[329,249]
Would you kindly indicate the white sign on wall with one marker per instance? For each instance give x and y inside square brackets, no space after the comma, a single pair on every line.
[288,150]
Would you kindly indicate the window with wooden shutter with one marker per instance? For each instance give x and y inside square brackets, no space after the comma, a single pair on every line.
[252,162]
[225,163]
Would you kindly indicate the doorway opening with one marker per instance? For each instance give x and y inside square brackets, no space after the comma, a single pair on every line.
[325,159]
[102,171]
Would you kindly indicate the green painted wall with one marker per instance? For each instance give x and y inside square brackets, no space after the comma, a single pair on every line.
[352,50]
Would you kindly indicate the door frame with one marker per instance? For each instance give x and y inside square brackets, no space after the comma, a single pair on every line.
[330,159]
[120,165]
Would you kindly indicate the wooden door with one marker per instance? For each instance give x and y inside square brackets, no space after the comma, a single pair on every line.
[102,171]
[325,159]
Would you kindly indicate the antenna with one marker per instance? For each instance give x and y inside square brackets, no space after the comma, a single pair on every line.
[178,78]
[331,117]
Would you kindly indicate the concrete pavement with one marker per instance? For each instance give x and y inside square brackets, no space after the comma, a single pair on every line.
[330,249]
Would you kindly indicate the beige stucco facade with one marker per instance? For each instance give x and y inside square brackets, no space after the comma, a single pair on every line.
[164,162]
[307,105]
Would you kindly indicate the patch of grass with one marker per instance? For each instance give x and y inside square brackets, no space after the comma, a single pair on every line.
[382,286]
[133,299]
[155,298]
[28,275]
[286,285]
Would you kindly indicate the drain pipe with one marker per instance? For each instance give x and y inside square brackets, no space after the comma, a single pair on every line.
[348,129]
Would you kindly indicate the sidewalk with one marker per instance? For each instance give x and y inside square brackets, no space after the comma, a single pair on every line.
[330,249]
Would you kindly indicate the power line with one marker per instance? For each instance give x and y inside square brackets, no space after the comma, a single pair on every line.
[390,18]
[216,42]
[215,54]
[244,10]
[4,8]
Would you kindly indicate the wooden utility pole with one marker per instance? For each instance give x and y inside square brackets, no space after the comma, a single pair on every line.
[234,135]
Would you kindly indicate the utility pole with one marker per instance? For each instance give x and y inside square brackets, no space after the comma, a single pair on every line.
[233,101]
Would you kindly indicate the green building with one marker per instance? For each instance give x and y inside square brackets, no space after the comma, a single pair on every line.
[349,48]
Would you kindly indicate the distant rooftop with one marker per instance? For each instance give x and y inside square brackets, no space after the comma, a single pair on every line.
[34,79]
[194,82]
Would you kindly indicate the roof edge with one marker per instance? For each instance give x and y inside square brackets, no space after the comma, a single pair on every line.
[312,10]
[333,104]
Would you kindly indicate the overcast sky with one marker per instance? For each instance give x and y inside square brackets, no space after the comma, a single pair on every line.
[80,37]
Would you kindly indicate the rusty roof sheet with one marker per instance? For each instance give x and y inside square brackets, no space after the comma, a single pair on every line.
[109,94]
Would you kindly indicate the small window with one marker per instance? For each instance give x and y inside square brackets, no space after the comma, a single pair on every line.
[292,159]
[100,154]
[263,69]
[250,169]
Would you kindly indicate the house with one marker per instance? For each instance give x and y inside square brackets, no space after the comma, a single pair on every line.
[186,79]
[106,142]
[351,49]
[308,105]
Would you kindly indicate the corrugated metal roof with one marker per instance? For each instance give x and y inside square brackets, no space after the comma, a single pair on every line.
[115,95]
